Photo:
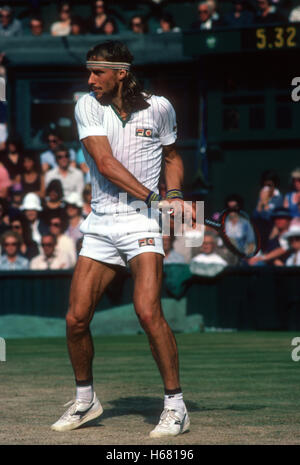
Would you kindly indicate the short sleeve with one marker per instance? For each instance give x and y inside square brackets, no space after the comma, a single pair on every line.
[168,125]
[89,117]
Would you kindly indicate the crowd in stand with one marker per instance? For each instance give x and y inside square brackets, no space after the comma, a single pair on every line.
[106,20]
[44,200]
[42,204]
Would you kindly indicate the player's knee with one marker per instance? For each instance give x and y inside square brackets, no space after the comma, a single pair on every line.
[76,325]
[149,317]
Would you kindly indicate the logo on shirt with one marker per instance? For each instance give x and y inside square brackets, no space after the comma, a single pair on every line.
[142,132]
[146,241]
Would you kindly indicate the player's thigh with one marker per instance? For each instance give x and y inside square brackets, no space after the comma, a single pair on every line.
[90,279]
[147,272]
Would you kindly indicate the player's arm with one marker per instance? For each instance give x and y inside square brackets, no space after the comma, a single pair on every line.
[99,149]
[174,169]
[174,173]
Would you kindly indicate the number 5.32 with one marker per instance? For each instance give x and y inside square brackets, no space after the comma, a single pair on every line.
[283,37]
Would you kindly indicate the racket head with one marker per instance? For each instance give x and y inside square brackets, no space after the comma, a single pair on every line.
[246,246]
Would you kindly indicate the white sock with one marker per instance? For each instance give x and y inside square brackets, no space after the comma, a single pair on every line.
[85,393]
[174,401]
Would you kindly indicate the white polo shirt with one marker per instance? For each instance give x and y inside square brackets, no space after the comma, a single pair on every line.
[137,144]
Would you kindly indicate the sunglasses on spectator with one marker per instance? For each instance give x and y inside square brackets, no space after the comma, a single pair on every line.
[13,244]
[202,11]
[136,24]
[296,179]
[47,244]
[16,226]
[57,224]
[59,157]
[53,140]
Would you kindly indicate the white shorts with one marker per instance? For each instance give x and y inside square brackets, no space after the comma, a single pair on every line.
[117,238]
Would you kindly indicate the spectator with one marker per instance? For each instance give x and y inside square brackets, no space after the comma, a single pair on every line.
[5,182]
[292,199]
[205,21]
[16,196]
[269,199]
[9,26]
[268,13]
[277,247]
[74,212]
[12,160]
[294,16]
[97,21]
[28,247]
[214,8]
[110,27]
[87,198]
[47,158]
[31,206]
[77,26]
[71,178]
[167,24]
[62,27]
[171,256]
[11,259]
[50,258]
[269,196]
[54,204]
[36,26]
[63,242]
[138,25]
[239,231]
[31,179]
[208,262]
[293,237]
[4,220]
[239,17]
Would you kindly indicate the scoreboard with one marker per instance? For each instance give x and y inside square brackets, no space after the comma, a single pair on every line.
[270,38]
[255,39]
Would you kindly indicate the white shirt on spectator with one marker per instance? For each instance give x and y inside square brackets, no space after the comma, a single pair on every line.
[294,16]
[209,258]
[293,260]
[58,261]
[72,182]
[66,245]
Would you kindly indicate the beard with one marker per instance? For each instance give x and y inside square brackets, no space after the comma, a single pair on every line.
[107,97]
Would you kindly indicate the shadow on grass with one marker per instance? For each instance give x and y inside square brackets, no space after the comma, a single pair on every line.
[151,407]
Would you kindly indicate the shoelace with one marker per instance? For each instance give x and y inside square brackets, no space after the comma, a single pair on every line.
[74,404]
[168,416]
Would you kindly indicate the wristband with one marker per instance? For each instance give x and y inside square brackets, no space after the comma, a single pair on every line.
[174,194]
[152,197]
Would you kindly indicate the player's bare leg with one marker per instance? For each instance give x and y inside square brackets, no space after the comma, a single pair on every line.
[147,274]
[89,282]
[147,271]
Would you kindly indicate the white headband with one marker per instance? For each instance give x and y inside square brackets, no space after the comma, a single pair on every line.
[108,64]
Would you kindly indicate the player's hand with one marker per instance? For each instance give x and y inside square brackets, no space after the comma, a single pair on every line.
[178,208]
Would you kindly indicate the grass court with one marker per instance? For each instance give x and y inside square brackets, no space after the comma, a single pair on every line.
[239,388]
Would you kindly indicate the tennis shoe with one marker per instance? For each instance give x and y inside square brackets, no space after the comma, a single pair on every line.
[77,414]
[171,423]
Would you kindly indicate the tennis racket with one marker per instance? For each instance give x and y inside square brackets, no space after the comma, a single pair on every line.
[238,232]
[236,229]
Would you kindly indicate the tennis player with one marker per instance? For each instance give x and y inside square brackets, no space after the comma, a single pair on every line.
[124,133]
